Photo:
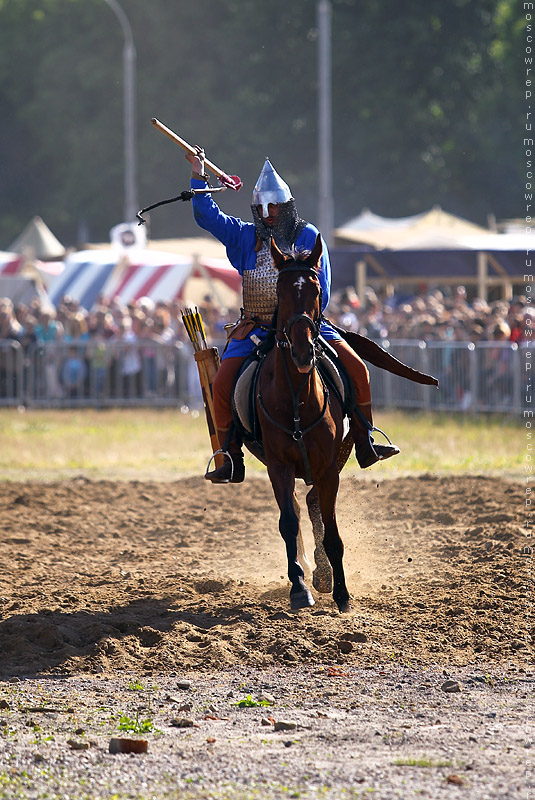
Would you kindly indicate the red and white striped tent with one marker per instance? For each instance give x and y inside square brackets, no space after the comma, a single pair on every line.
[13,265]
[91,275]
[23,279]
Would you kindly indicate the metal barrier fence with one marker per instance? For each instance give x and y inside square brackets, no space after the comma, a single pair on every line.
[482,377]
[96,373]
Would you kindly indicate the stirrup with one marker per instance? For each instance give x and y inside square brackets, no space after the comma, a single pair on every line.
[367,454]
[372,443]
[226,454]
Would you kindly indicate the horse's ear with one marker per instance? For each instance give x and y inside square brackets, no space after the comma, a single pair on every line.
[317,251]
[278,257]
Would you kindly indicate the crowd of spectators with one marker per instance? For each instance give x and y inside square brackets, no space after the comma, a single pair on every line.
[437,315]
[116,349]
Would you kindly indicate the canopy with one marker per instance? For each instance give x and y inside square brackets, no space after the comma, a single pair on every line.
[430,230]
[434,246]
[99,273]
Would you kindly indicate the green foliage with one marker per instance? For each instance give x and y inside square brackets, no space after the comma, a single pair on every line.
[136,686]
[248,702]
[426,97]
[135,725]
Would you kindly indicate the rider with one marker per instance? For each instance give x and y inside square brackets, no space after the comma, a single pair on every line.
[248,250]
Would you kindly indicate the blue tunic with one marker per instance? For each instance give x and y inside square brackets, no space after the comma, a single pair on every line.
[239,238]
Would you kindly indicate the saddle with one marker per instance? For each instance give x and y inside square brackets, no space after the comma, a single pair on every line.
[330,368]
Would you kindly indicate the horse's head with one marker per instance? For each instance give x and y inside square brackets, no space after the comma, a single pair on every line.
[299,303]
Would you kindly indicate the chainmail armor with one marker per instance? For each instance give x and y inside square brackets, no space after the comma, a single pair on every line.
[286,229]
[259,286]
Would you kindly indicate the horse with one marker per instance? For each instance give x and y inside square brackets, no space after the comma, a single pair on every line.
[302,427]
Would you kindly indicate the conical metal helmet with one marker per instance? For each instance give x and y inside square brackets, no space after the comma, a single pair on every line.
[270,188]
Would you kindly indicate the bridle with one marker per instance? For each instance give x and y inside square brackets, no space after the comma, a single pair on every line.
[313,324]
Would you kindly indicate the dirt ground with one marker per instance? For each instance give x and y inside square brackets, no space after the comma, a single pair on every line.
[102,576]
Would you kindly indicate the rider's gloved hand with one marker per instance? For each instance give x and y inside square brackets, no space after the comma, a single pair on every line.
[197,162]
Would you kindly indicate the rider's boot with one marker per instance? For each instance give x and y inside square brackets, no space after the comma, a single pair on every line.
[232,470]
[366,451]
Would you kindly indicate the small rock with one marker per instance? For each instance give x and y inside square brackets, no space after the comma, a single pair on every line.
[4,704]
[184,684]
[285,725]
[266,697]
[182,722]
[74,745]
[345,646]
[472,739]
[265,721]
[128,746]
[288,743]
[451,687]
[455,780]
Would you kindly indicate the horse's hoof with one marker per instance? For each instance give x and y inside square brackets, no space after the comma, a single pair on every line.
[344,606]
[301,600]
[322,580]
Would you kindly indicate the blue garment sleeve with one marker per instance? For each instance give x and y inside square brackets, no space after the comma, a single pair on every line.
[306,241]
[239,237]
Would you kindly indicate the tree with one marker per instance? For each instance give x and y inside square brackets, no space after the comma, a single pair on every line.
[426,98]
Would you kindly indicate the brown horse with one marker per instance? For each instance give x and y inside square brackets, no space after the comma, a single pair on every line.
[302,427]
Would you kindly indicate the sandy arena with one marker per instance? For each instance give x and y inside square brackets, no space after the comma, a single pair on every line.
[167,604]
[99,576]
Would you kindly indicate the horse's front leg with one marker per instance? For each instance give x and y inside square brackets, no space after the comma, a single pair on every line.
[301,551]
[283,482]
[327,492]
[322,578]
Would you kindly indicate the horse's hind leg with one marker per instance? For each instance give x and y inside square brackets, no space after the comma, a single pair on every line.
[322,578]
[327,491]
[283,483]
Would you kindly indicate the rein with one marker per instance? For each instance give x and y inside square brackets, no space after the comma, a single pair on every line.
[297,433]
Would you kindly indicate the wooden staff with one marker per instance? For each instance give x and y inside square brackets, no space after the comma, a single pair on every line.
[207,360]
[232,181]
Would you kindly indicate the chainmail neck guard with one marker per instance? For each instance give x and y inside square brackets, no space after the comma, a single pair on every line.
[286,229]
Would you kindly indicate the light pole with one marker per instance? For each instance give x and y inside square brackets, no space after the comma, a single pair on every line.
[129,100]
[325,211]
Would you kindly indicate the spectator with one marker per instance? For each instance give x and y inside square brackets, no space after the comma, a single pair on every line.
[73,374]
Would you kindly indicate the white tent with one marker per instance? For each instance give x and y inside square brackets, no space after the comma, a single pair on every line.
[432,229]
[38,241]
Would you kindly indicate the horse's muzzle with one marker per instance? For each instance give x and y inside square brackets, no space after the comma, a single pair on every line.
[305,361]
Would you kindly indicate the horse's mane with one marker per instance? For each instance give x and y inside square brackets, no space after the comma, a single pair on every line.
[298,255]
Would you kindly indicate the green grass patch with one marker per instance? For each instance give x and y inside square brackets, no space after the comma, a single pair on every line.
[421,762]
[165,444]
